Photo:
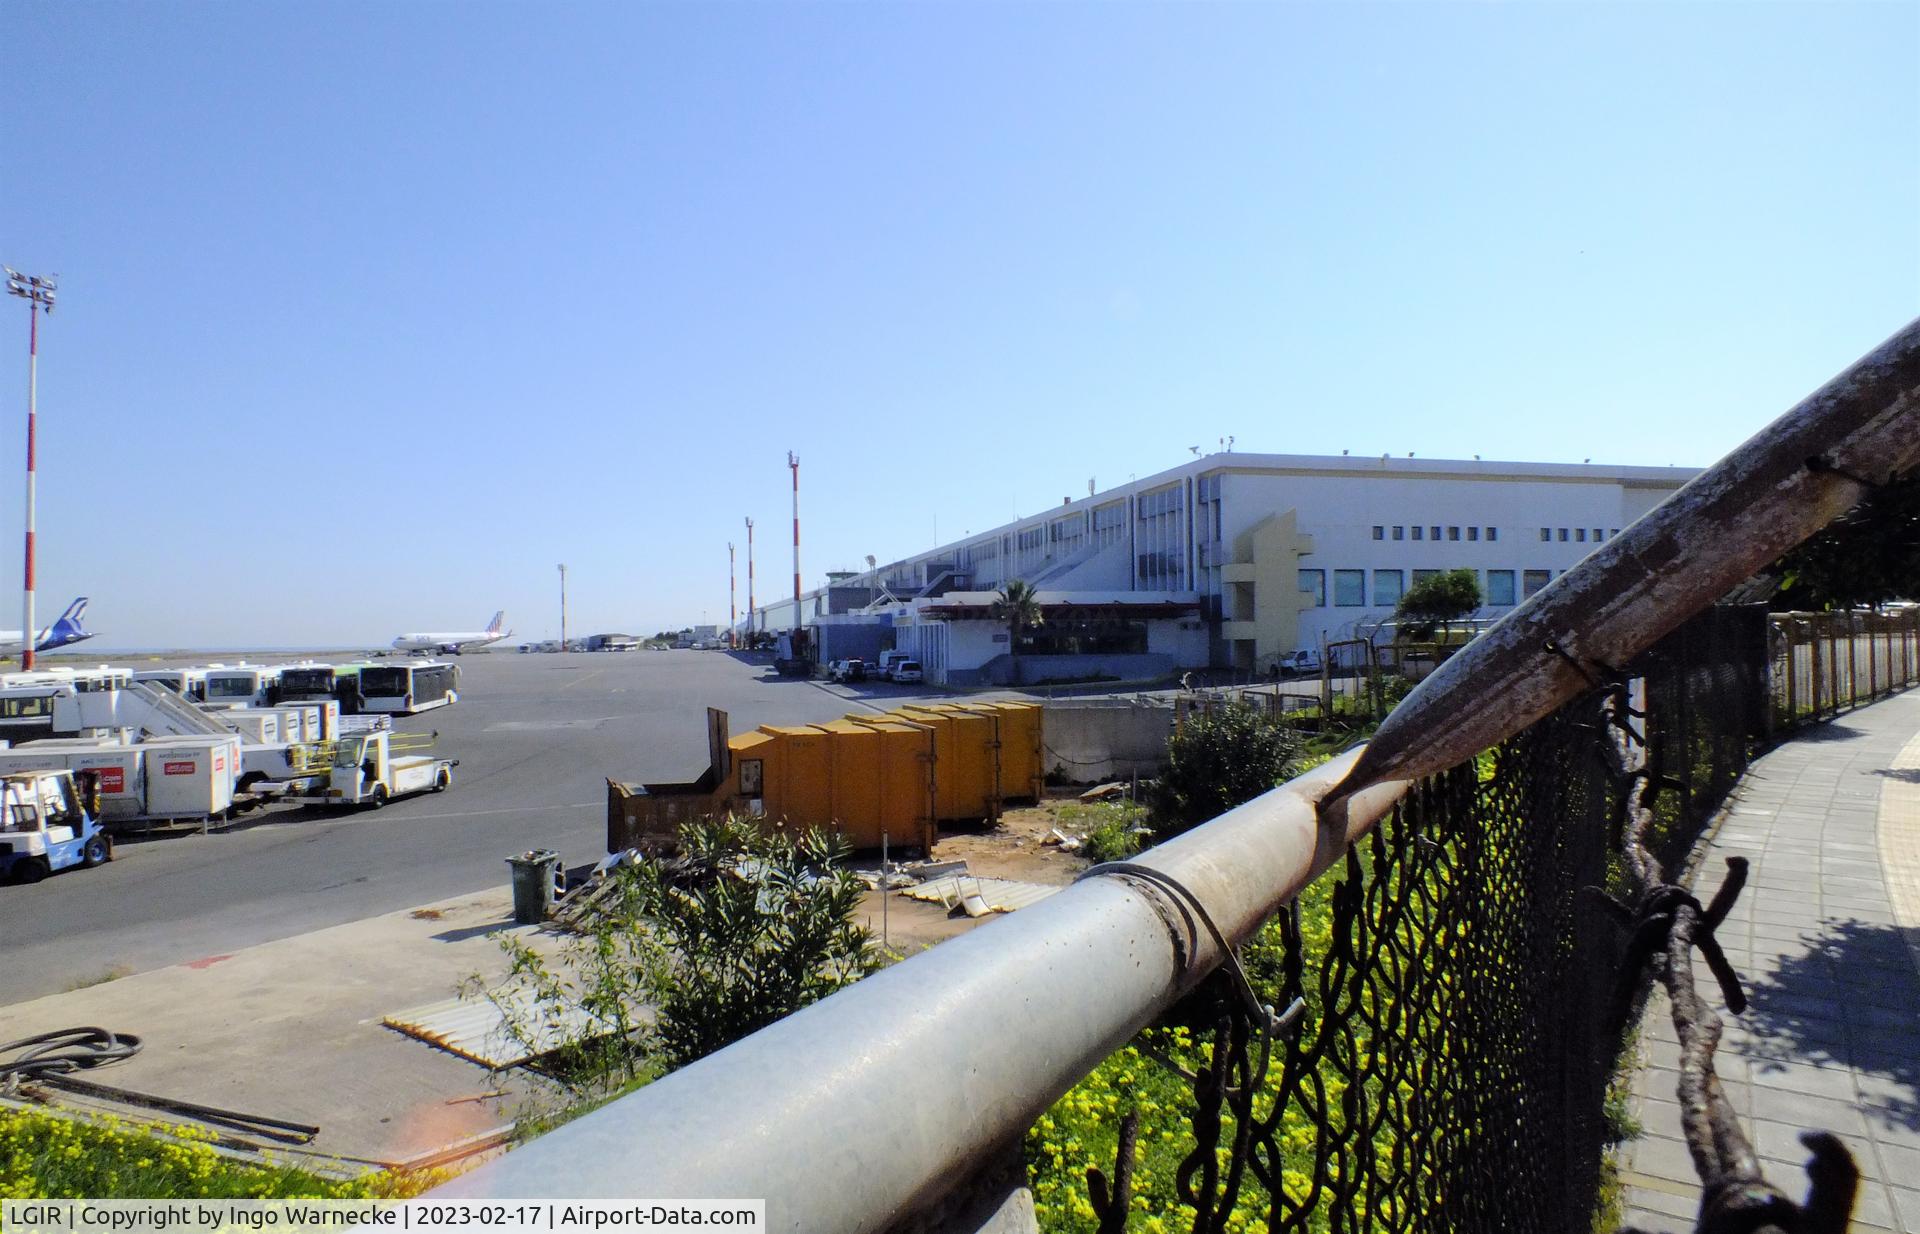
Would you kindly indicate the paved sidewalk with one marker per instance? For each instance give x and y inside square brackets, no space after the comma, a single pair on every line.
[291,1029]
[1827,937]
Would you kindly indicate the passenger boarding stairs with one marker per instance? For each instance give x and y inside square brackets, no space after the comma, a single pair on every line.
[158,712]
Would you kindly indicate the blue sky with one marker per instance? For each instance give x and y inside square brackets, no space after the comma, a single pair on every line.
[372,314]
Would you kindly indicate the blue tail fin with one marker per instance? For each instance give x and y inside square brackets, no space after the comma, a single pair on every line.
[67,629]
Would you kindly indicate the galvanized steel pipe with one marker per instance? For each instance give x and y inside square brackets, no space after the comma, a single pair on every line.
[1788,481]
[874,1103]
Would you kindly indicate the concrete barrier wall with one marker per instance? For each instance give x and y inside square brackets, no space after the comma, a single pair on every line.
[1038,670]
[1093,740]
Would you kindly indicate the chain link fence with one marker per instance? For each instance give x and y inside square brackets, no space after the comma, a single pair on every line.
[1461,1017]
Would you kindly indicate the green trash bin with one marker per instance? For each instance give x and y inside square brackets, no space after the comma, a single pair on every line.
[533,885]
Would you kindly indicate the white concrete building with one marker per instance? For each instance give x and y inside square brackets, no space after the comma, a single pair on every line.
[1233,560]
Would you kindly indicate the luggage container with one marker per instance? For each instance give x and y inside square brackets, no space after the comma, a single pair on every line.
[191,777]
[307,721]
[255,726]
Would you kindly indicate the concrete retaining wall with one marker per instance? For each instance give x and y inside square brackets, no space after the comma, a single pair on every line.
[1038,670]
[1093,740]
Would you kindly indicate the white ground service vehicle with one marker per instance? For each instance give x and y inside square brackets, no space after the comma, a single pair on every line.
[369,771]
[45,826]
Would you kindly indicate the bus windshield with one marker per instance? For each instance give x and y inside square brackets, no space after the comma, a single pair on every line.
[383,681]
[303,681]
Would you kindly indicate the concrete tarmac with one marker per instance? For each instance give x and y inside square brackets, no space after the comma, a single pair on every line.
[537,737]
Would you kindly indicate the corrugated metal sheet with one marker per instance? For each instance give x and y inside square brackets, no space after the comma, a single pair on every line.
[477,1029]
[1003,895]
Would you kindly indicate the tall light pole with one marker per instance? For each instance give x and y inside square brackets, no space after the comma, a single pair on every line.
[793,464]
[563,608]
[751,627]
[733,611]
[39,294]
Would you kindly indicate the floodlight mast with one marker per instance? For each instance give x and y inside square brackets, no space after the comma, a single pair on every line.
[39,293]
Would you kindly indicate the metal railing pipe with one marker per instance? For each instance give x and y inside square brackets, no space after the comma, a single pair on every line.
[873,1103]
[1788,481]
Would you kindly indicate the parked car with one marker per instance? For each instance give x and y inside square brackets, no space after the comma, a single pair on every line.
[906,672]
[847,670]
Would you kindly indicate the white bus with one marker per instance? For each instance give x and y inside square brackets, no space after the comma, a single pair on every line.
[28,700]
[408,688]
[244,685]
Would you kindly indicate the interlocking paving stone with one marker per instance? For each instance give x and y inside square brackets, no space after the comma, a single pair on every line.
[1829,953]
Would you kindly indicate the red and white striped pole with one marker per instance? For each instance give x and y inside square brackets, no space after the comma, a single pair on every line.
[28,631]
[793,461]
[39,294]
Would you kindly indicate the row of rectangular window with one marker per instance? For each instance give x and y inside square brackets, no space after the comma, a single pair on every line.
[1350,586]
[1420,533]
[1579,535]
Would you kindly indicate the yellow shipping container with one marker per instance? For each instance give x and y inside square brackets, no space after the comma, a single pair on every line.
[882,783]
[865,781]
[1023,761]
[966,770]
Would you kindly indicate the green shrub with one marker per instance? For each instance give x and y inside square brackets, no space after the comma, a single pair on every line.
[686,955]
[1217,761]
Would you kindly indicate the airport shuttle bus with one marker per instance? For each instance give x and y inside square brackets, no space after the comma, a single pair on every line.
[245,685]
[313,683]
[404,689]
[28,699]
[26,712]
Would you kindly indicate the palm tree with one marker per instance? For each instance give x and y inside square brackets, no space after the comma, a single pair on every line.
[1019,606]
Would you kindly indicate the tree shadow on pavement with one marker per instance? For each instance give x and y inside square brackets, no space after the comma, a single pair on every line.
[1847,1000]
[1833,730]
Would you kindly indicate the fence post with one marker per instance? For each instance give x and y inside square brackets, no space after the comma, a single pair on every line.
[1853,659]
[1873,655]
[1793,672]
[1813,665]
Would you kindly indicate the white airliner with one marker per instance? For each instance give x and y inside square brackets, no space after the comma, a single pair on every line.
[452,644]
[64,631]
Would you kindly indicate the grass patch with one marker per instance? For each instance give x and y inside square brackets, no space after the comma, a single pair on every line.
[1108,830]
[113,973]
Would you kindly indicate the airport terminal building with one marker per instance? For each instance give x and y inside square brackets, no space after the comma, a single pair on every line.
[1228,561]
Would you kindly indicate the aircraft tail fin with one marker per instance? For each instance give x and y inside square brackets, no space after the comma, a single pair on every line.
[69,627]
[499,618]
